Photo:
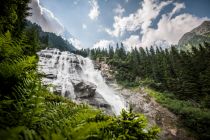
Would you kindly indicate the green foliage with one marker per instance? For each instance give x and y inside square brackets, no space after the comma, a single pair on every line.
[186,74]
[14,63]
[46,39]
[28,110]
[9,48]
[12,16]
[193,115]
[38,114]
[132,126]
[83,52]
[146,82]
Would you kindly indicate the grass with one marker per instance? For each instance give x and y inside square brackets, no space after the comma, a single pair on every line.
[192,115]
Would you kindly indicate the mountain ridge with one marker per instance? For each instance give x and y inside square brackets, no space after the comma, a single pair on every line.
[196,36]
[51,40]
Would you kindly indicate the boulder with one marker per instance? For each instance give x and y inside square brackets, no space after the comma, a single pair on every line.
[75,60]
[84,89]
[57,90]
[86,92]
[78,68]
[50,76]
[48,55]
[99,102]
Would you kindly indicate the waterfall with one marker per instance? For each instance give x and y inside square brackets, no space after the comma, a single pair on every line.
[67,72]
[94,76]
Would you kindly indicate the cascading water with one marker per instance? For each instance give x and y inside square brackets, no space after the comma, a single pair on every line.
[94,76]
[67,72]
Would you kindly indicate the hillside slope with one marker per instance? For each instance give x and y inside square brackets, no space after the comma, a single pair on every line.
[51,40]
[197,36]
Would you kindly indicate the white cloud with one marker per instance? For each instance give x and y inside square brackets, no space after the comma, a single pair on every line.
[84,26]
[76,43]
[141,19]
[132,42]
[94,12]
[45,18]
[103,44]
[119,10]
[49,23]
[177,8]
[171,29]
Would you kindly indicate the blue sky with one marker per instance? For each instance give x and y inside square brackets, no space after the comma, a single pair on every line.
[136,23]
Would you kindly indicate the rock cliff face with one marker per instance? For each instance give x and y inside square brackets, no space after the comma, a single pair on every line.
[197,36]
[74,77]
[106,71]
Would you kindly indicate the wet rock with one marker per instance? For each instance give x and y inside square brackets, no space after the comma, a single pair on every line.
[99,102]
[48,56]
[76,60]
[57,90]
[105,71]
[78,68]
[69,75]
[67,93]
[51,76]
[84,89]
[97,65]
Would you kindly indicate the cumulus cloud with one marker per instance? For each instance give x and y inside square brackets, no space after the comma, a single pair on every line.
[49,23]
[103,44]
[119,10]
[94,12]
[141,19]
[132,42]
[76,43]
[177,8]
[45,18]
[170,27]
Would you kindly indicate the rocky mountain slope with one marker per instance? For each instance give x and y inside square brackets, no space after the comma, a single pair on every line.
[198,35]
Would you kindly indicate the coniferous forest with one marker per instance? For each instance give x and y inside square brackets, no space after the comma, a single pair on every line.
[180,80]
[29,111]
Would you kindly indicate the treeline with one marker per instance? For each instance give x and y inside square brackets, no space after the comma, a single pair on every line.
[183,77]
[29,111]
[185,73]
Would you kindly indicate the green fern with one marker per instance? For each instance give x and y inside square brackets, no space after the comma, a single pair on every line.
[29,111]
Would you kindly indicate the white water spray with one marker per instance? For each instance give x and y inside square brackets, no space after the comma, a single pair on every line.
[62,69]
[94,76]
